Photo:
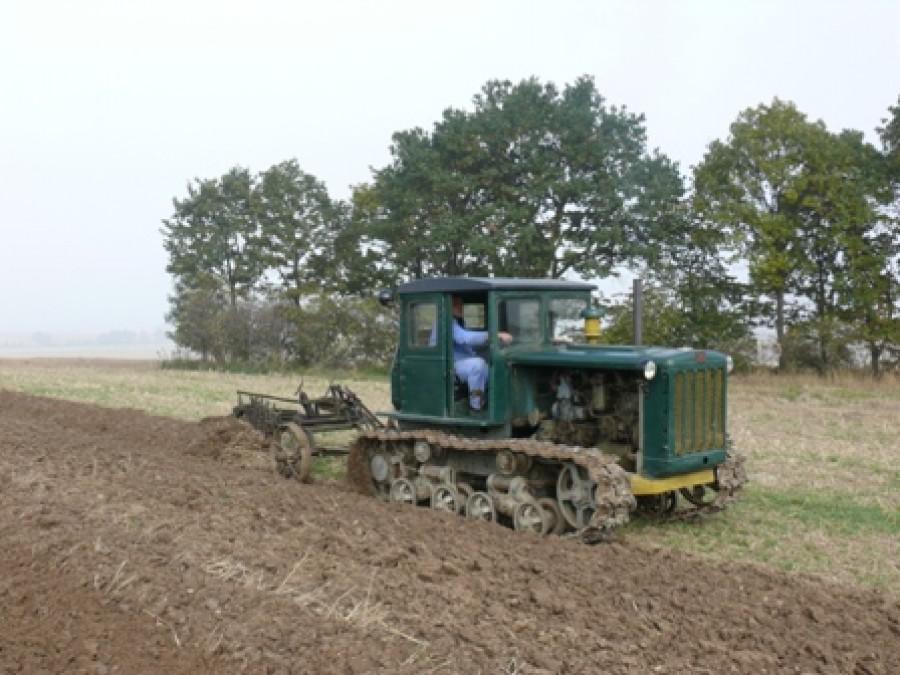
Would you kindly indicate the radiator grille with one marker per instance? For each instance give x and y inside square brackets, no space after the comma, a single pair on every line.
[699,411]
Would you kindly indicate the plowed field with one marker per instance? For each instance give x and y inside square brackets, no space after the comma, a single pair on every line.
[133,544]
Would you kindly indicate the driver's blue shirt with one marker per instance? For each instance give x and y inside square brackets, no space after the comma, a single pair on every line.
[464,340]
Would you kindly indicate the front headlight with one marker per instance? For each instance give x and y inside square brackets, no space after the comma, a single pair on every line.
[729,363]
[649,370]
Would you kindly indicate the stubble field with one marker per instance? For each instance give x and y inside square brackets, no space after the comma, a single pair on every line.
[116,522]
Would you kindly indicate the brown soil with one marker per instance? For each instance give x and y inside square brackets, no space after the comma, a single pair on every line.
[135,544]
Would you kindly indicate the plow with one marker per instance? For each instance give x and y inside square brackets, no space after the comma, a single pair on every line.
[572,437]
[294,423]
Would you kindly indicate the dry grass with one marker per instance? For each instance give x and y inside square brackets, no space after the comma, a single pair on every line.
[822,454]
[174,393]
[350,604]
[840,435]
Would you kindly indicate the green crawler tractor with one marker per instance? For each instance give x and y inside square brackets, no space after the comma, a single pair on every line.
[574,435]
[571,436]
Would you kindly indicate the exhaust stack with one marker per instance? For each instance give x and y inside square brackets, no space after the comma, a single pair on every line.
[638,312]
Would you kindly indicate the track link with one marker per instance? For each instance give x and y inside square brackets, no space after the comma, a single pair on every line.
[731,476]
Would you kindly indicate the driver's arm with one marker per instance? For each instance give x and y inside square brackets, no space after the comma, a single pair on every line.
[473,338]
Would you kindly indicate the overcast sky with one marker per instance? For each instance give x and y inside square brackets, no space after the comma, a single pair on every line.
[108,109]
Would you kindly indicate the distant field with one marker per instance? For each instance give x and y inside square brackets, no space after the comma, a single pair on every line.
[823,457]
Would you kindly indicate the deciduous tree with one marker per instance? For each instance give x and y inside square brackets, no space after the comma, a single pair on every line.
[750,184]
[299,224]
[213,232]
[533,182]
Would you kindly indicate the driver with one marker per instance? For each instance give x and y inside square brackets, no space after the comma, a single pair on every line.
[468,366]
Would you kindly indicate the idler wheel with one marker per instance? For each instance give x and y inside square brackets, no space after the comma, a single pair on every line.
[446,498]
[553,515]
[403,491]
[529,517]
[480,506]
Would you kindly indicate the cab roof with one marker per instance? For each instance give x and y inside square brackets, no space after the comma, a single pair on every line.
[464,284]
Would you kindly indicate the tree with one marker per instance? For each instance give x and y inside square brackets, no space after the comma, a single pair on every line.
[804,205]
[213,232]
[752,184]
[690,298]
[195,315]
[299,224]
[426,216]
[360,261]
[692,265]
[532,182]
[873,280]
[571,184]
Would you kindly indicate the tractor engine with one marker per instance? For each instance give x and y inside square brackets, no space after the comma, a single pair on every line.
[594,409]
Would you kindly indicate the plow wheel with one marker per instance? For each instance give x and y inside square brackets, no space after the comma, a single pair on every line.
[446,498]
[530,517]
[554,516]
[480,506]
[575,494]
[293,454]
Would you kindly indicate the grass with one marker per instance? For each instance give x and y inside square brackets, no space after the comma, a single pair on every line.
[329,468]
[187,394]
[824,496]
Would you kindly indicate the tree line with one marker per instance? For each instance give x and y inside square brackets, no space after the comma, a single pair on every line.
[541,181]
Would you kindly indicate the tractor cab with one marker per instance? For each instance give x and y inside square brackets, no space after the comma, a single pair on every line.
[425,390]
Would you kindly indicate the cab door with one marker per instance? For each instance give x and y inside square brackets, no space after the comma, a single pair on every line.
[424,364]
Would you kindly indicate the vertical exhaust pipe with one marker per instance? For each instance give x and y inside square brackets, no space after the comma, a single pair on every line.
[638,311]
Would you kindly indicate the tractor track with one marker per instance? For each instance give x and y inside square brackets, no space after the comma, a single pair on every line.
[613,492]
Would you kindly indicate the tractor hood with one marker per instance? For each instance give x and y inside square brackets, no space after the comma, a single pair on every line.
[615,357]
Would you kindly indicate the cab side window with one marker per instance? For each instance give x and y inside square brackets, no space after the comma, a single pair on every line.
[521,317]
[422,328]
[474,316]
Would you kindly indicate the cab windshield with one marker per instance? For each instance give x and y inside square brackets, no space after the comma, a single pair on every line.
[565,318]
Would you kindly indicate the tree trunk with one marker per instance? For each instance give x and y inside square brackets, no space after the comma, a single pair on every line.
[232,283]
[875,352]
[779,327]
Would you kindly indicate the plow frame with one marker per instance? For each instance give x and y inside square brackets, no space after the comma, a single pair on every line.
[338,410]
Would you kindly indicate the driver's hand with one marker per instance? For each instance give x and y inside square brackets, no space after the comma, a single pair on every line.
[505,338]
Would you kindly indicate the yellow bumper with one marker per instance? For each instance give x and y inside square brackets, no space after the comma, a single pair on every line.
[656,486]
